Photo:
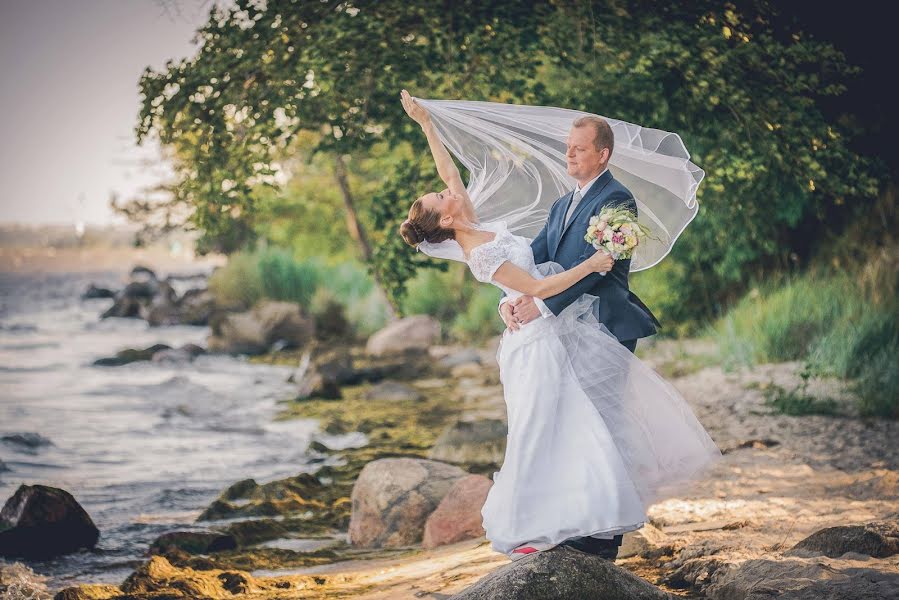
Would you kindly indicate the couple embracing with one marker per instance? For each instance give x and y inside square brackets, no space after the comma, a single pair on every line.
[595,435]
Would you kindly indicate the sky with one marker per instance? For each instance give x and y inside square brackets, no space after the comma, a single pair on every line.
[69,101]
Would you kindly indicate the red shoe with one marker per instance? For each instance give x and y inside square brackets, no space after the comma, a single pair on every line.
[525,549]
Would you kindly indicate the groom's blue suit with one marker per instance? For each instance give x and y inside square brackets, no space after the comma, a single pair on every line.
[618,308]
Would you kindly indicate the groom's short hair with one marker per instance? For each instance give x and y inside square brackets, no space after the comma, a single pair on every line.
[604,136]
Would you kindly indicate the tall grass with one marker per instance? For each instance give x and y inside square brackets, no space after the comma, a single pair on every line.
[466,308]
[272,273]
[841,323]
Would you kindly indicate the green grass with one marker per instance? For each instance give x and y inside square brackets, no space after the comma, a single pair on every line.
[841,324]
[796,403]
[274,274]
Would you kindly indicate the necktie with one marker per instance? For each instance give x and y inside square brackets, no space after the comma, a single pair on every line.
[574,202]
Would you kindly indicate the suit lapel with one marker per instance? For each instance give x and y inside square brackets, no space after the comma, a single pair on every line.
[594,192]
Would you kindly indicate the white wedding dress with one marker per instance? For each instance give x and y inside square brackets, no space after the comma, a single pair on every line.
[594,434]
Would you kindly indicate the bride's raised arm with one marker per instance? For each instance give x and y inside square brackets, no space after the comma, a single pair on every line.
[446,168]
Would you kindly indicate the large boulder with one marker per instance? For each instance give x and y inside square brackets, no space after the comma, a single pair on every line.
[255,331]
[392,498]
[878,540]
[39,522]
[799,579]
[471,442]
[561,573]
[417,332]
[458,516]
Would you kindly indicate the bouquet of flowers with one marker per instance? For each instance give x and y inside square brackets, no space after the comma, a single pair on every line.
[616,231]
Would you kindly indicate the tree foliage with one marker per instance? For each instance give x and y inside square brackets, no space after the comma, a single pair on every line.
[742,87]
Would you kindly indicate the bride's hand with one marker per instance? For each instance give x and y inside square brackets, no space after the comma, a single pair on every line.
[413,109]
[601,261]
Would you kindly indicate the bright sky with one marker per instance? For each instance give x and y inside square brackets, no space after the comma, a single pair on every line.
[69,101]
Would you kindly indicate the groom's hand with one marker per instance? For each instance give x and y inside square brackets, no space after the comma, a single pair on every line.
[524,309]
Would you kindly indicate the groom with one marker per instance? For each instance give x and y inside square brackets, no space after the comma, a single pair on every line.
[590,145]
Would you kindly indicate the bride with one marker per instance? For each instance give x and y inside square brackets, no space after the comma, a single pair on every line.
[594,434]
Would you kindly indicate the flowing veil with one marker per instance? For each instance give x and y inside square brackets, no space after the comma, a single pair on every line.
[515,155]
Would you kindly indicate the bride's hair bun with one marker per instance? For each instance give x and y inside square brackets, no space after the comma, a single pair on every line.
[423,225]
[411,233]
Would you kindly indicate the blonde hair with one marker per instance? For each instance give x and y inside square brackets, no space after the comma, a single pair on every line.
[604,136]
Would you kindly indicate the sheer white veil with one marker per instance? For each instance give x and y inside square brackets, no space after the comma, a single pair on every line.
[515,155]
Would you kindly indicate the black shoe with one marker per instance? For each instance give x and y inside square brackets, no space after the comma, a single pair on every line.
[607,549]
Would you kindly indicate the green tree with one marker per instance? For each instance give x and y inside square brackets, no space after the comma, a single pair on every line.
[266,72]
[745,96]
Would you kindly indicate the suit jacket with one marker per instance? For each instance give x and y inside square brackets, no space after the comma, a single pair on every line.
[618,308]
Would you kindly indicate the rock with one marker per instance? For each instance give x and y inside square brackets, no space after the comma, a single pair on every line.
[255,331]
[90,591]
[293,494]
[196,307]
[28,440]
[562,573]
[241,489]
[411,333]
[3,467]
[192,542]
[185,354]
[140,290]
[18,581]
[799,579]
[126,308]
[879,539]
[317,446]
[393,391]
[647,539]
[458,516]
[331,322]
[392,498]
[158,578]
[142,273]
[463,357]
[468,369]
[471,442]
[323,378]
[40,522]
[130,355]
[93,292]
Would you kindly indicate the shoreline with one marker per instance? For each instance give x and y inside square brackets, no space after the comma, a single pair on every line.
[781,479]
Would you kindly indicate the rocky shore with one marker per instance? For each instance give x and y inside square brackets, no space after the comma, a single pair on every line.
[800,507]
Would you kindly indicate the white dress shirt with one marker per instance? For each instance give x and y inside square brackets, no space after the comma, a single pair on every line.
[583,191]
[544,310]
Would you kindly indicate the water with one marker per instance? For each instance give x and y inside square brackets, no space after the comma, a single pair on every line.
[142,447]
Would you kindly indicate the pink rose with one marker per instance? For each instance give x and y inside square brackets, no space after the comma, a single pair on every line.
[618,238]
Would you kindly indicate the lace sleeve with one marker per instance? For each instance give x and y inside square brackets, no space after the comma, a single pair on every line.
[485,260]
